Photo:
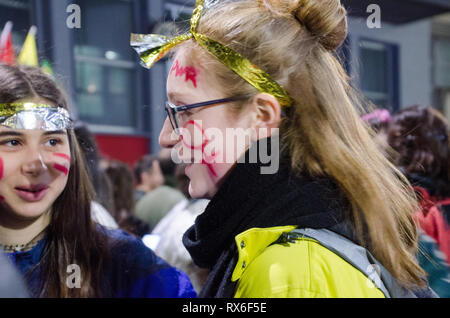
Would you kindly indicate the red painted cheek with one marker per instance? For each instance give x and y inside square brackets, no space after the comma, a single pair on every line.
[2,198]
[1,168]
[62,155]
[61,168]
[206,159]
[202,132]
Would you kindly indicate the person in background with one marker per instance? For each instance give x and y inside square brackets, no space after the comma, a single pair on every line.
[168,167]
[379,120]
[420,137]
[159,198]
[45,205]
[103,200]
[148,176]
[122,182]
[171,228]
[434,263]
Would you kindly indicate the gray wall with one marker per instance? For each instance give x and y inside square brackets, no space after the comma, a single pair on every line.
[415,65]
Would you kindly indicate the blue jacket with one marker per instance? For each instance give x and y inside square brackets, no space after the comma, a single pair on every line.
[132,271]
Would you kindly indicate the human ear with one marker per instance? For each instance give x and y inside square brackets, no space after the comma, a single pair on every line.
[267,113]
[145,177]
[157,175]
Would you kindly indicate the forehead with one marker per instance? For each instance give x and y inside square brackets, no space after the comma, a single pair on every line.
[189,79]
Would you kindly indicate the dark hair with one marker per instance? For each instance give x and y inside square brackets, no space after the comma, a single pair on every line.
[182,180]
[143,165]
[167,166]
[123,198]
[420,136]
[72,237]
[123,188]
[100,181]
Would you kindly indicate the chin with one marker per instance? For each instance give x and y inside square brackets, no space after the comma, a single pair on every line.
[199,192]
[29,211]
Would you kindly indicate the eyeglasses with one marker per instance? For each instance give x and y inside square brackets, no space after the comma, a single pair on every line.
[173,112]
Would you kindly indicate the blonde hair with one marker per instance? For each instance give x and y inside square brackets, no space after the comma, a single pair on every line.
[294,42]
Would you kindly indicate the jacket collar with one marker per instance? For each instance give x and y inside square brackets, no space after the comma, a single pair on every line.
[252,243]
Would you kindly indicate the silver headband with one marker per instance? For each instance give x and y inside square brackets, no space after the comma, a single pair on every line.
[34,116]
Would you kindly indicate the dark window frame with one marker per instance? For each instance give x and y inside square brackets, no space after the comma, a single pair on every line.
[141,97]
[393,70]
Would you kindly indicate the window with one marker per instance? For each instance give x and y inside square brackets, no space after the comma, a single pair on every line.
[104,64]
[18,12]
[442,63]
[379,73]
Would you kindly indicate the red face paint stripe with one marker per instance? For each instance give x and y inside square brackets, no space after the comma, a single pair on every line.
[202,146]
[61,168]
[210,168]
[62,155]
[1,168]
[2,198]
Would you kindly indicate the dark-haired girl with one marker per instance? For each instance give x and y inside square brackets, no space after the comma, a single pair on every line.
[45,222]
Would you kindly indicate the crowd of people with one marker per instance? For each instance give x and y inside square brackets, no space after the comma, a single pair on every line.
[357,207]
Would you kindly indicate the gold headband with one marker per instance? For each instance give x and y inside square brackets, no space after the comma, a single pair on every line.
[153,47]
[9,109]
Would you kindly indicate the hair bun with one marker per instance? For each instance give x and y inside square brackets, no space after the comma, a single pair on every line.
[325,19]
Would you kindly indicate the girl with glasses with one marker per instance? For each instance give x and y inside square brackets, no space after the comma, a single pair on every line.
[334,220]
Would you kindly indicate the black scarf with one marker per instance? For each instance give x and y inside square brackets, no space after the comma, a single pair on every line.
[250,199]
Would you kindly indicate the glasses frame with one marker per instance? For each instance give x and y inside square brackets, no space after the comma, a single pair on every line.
[172,109]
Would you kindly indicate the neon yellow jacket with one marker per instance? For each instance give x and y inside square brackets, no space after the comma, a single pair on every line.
[303,268]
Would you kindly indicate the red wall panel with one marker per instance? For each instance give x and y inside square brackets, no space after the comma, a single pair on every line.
[124,148]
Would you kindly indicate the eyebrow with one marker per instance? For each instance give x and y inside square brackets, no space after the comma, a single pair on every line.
[173,96]
[19,134]
[179,97]
[55,132]
[10,133]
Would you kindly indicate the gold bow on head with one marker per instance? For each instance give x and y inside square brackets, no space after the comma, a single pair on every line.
[153,47]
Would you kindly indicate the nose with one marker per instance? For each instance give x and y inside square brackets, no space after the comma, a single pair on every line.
[167,137]
[34,164]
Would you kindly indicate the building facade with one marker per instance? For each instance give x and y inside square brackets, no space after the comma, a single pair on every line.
[405,60]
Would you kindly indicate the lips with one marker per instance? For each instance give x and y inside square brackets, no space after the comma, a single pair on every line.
[32,193]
